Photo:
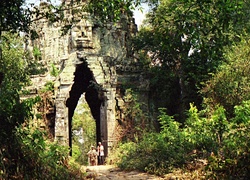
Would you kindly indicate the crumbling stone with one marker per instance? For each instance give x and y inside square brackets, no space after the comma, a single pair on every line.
[106,52]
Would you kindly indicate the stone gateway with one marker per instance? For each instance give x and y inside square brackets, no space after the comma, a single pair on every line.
[92,58]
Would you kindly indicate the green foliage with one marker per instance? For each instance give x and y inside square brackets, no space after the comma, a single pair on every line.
[54,71]
[31,156]
[14,16]
[206,133]
[83,120]
[208,136]
[49,86]
[12,110]
[77,153]
[38,157]
[242,113]
[160,152]
[121,155]
[24,151]
[230,85]
[37,53]
[12,62]
[233,162]
[112,10]
[34,66]
[194,130]
[135,120]
[185,40]
[169,89]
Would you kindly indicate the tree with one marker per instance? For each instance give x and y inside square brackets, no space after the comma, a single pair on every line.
[229,86]
[30,147]
[83,121]
[112,10]
[13,111]
[185,40]
[13,17]
[13,66]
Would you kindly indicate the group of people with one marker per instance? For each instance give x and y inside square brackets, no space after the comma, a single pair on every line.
[96,155]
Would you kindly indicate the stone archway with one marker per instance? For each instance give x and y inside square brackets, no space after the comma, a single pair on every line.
[84,82]
[89,75]
[92,58]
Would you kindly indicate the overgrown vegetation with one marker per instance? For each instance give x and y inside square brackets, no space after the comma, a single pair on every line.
[135,120]
[185,41]
[84,132]
[25,151]
[198,60]
[199,66]
[220,145]
[209,142]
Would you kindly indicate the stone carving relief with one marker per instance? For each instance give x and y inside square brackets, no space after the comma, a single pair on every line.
[108,56]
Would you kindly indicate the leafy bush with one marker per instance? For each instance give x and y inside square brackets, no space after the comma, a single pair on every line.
[223,143]
[39,158]
[160,152]
[233,162]
[230,85]
[135,121]
[25,153]
[121,153]
[205,133]
[242,113]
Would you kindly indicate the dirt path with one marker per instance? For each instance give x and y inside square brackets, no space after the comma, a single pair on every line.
[108,172]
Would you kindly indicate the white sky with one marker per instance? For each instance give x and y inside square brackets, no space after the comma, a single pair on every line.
[138,15]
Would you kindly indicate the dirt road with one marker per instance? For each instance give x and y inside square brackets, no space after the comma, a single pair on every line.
[108,172]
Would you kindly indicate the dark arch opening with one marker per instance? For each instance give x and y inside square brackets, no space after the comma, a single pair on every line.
[84,82]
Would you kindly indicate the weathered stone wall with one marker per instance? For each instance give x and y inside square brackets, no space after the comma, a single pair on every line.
[105,48]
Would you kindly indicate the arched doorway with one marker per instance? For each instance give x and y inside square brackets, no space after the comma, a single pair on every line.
[84,82]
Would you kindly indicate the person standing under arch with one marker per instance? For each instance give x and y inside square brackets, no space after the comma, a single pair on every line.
[100,150]
[92,156]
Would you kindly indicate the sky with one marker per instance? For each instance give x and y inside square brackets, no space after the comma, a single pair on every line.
[138,15]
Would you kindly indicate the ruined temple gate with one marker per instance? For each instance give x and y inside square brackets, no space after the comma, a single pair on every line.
[94,59]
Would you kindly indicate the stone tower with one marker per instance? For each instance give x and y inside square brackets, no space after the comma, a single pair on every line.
[92,58]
